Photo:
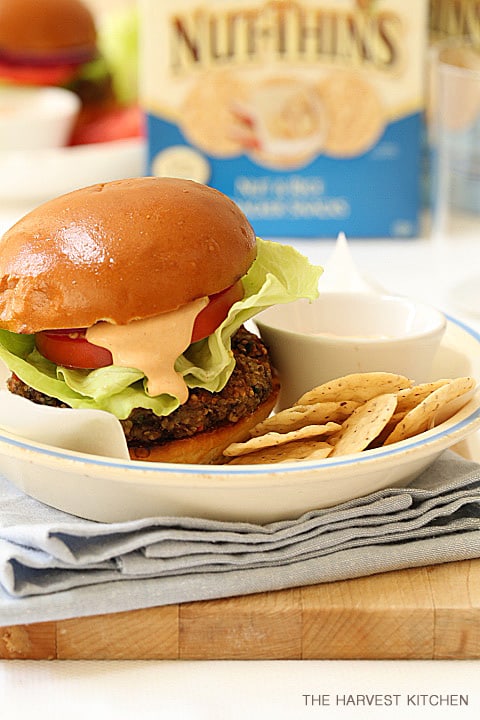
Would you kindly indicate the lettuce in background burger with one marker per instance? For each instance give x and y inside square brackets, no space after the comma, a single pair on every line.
[131,297]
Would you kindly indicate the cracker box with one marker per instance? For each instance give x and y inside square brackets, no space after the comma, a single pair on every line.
[307,114]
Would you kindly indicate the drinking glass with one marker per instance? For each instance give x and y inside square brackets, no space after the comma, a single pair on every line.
[454,126]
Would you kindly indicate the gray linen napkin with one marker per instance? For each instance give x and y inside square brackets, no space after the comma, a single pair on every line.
[55,566]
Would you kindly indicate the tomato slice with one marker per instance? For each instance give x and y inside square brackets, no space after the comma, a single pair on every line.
[37,75]
[70,347]
[216,311]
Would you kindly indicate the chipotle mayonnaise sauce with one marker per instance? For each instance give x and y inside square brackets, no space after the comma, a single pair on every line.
[152,345]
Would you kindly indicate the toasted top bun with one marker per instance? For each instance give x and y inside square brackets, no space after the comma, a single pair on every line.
[120,251]
[36,28]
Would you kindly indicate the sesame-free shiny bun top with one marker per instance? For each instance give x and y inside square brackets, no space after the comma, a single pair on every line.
[120,251]
[35,28]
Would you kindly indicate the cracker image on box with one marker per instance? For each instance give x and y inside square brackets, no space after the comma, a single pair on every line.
[355,113]
[305,112]
[288,121]
[208,117]
[280,121]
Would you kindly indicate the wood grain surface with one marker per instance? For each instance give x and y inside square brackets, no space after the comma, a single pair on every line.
[422,613]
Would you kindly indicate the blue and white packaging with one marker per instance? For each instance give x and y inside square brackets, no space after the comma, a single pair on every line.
[307,114]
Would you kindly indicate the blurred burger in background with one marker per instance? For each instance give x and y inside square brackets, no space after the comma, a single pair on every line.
[60,43]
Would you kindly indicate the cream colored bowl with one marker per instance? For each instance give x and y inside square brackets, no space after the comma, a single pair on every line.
[36,118]
[344,332]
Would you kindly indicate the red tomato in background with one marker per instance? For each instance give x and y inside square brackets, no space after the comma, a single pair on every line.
[108,125]
[70,347]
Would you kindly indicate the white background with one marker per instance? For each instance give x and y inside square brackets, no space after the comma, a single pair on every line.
[154,690]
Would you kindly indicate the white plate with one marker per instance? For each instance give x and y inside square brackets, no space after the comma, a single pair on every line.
[115,490]
[38,175]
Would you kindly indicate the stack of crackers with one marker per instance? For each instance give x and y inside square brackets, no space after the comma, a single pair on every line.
[351,414]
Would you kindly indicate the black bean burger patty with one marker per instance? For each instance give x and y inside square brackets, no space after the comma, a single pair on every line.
[248,387]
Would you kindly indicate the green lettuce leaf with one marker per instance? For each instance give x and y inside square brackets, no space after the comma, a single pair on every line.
[118,39]
[279,274]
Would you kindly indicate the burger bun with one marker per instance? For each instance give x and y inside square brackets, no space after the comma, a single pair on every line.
[121,251]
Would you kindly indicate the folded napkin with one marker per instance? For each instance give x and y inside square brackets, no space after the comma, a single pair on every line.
[55,566]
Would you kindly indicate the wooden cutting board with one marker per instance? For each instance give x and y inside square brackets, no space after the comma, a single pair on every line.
[423,613]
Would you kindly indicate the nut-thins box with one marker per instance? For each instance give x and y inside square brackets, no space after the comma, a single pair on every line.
[307,114]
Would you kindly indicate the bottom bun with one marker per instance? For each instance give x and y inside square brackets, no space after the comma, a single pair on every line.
[207,448]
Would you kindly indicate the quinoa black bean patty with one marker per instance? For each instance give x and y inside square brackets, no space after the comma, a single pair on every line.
[248,387]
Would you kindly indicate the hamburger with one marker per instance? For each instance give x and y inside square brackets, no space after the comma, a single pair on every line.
[45,42]
[56,43]
[132,297]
